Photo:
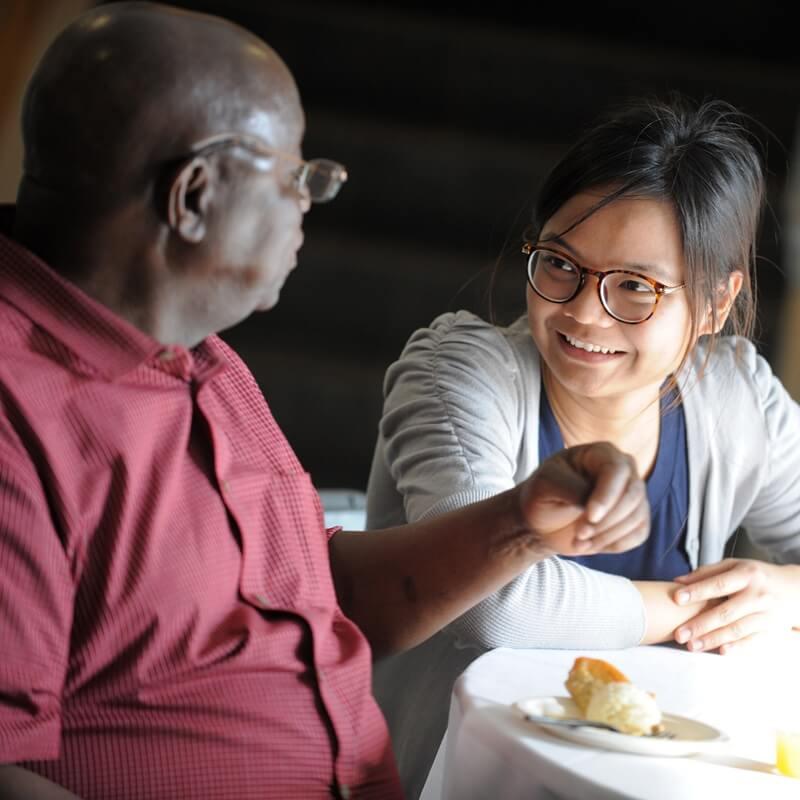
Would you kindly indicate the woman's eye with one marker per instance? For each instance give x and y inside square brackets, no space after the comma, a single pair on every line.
[634,285]
[556,263]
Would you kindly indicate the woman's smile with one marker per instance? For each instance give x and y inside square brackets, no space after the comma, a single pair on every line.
[586,351]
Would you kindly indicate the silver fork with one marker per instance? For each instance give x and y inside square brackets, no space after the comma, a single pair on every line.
[570,722]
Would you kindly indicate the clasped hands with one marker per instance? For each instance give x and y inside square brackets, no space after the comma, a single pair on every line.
[746,599]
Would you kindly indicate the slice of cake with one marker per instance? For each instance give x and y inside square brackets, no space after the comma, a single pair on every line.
[586,675]
[604,694]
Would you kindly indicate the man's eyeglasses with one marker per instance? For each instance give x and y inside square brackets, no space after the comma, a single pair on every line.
[625,295]
[320,177]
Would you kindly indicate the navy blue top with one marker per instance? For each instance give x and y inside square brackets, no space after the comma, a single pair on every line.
[663,555]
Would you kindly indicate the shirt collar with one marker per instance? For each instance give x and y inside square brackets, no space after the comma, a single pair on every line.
[94,333]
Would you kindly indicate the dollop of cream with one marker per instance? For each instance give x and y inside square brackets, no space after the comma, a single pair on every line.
[625,707]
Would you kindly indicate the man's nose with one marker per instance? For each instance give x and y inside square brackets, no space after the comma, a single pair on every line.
[305,199]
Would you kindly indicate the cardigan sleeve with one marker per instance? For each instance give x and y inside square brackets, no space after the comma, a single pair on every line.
[773,519]
[450,425]
[454,425]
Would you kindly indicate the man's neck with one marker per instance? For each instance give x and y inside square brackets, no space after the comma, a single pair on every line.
[128,287]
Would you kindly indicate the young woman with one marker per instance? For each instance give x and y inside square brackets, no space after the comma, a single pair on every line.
[639,258]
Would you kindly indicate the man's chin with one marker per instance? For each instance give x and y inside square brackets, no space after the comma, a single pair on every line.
[269,295]
[269,301]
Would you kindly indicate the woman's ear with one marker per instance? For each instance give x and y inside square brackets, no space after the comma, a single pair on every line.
[726,297]
[188,198]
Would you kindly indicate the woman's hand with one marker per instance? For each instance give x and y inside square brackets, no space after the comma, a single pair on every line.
[587,499]
[752,598]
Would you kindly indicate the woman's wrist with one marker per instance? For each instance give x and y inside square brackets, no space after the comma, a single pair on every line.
[664,616]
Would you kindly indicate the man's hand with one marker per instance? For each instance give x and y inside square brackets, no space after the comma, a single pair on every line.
[752,598]
[586,499]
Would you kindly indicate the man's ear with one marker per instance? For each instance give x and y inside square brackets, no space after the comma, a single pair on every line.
[188,198]
[725,298]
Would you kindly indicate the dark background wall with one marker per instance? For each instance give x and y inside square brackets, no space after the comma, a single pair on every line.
[447,116]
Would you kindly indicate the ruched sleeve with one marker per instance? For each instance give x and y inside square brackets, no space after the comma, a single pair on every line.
[451,423]
[773,519]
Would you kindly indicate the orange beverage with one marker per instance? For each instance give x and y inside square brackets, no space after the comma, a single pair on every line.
[788,753]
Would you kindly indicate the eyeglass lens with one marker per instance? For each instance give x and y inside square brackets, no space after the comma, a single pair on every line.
[625,296]
[322,178]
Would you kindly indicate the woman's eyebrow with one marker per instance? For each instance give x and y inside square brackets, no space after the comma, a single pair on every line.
[554,237]
[651,270]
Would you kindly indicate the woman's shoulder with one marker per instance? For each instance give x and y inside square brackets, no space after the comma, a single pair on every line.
[461,353]
[732,361]
[463,322]
[733,376]
[466,332]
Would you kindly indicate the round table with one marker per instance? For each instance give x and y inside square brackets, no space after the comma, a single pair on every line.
[490,752]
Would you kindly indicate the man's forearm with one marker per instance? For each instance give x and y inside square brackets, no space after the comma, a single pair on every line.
[664,615]
[403,584]
[17,783]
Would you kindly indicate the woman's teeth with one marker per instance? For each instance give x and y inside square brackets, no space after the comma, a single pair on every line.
[590,348]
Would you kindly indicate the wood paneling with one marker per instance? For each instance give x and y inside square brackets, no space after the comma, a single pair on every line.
[26,28]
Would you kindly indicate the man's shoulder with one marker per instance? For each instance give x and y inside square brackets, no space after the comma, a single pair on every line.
[15,327]
[237,374]
[21,346]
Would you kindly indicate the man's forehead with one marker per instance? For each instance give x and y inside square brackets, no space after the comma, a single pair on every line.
[281,124]
[276,112]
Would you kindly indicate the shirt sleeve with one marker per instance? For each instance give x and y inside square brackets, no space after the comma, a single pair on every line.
[36,602]
[773,520]
[454,417]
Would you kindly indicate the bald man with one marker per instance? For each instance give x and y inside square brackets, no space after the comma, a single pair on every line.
[175,620]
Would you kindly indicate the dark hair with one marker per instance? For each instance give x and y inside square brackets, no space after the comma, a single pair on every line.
[703,160]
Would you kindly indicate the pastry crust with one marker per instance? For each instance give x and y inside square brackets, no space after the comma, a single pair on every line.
[586,675]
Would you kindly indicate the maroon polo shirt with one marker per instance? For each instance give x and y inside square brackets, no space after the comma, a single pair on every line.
[168,623]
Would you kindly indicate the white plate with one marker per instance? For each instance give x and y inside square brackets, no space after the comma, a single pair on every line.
[690,736]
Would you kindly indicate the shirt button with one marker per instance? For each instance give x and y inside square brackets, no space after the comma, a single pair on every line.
[259,600]
[344,791]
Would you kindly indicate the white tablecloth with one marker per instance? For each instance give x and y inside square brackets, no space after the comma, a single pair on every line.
[489,752]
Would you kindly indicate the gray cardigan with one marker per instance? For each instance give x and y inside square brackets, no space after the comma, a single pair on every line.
[460,424]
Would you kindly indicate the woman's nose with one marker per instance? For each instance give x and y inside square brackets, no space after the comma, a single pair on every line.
[586,307]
